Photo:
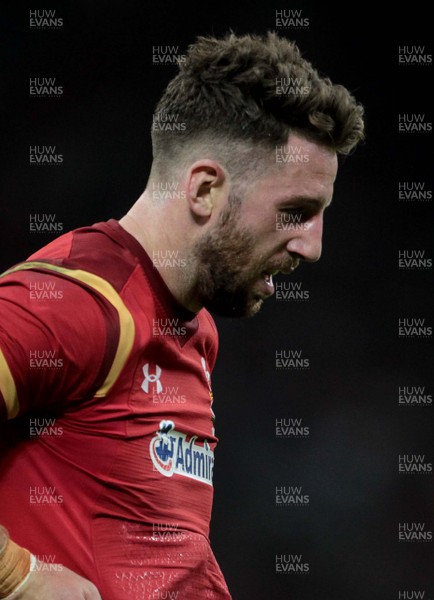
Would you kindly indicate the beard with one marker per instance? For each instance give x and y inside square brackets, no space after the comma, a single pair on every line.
[227,268]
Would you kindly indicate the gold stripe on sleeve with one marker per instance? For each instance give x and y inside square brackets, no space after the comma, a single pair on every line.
[126,321]
[8,388]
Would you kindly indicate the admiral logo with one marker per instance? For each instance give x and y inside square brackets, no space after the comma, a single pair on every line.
[168,327]
[44,290]
[45,87]
[414,55]
[172,454]
[290,291]
[45,155]
[44,223]
[167,55]
[44,495]
[291,19]
[413,123]
[46,563]
[414,191]
[291,428]
[412,328]
[414,532]
[414,259]
[291,496]
[291,359]
[414,396]
[411,464]
[287,86]
[290,154]
[291,564]
[44,359]
[45,19]
[44,427]
[167,258]
[412,595]
[169,395]
[167,191]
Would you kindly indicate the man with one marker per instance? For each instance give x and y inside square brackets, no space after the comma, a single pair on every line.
[107,344]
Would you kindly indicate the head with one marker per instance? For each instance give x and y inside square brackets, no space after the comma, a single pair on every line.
[259,132]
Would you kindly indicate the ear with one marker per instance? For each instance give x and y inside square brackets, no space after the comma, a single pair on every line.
[206,187]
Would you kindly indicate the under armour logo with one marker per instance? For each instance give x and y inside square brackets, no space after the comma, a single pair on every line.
[152,378]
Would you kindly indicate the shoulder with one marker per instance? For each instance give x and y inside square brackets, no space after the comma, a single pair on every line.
[100,250]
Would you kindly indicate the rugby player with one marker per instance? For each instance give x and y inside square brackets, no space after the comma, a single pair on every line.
[107,343]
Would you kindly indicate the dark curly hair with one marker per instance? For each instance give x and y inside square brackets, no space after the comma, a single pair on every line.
[226,95]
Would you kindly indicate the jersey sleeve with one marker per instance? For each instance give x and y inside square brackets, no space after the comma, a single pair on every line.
[59,338]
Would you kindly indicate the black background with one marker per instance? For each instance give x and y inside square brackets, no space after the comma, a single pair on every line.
[348,398]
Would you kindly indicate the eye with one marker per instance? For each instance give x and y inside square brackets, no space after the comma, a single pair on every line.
[290,209]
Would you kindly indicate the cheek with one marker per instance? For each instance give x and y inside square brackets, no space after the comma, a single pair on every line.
[266,222]
[264,230]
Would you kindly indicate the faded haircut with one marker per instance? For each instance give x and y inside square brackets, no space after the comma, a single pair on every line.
[228,106]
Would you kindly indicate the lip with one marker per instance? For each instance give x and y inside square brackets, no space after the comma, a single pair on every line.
[265,281]
[266,284]
[283,271]
[288,271]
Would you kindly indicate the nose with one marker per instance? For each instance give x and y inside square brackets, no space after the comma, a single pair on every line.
[307,242]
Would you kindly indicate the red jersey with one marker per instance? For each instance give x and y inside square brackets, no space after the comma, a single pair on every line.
[106,466]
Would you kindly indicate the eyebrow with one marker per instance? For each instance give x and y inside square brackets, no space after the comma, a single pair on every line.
[317,203]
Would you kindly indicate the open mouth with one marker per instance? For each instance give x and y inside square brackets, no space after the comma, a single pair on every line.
[268,277]
[267,286]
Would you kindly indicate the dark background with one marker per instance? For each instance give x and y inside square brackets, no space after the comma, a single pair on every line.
[348,464]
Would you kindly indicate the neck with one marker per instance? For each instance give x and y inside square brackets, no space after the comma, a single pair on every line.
[158,232]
